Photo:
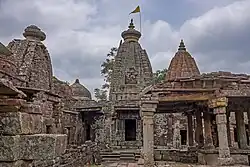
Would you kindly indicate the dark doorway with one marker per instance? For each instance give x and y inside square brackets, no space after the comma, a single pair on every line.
[88,132]
[130,130]
[48,129]
[183,137]
[247,132]
[235,135]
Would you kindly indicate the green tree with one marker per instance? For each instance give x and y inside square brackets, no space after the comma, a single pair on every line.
[106,72]
[107,67]
[159,75]
[100,94]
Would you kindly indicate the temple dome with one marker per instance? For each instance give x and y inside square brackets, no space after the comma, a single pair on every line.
[182,65]
[79,90]
[33,32]
[131,34]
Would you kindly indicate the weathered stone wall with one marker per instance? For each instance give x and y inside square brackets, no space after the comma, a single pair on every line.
[39,125]
[118,137]
[75,156]
[167,128]
[32,59]
[176,155]
[23,128]
[102,132]
[22,137]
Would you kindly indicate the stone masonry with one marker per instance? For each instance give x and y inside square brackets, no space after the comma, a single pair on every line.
[40,125]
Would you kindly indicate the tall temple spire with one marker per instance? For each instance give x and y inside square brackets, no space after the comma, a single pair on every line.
[132,71]
[182,46]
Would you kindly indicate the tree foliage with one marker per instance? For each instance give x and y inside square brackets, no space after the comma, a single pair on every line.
[107,67]
[100,94]
[159,75]
[106,72]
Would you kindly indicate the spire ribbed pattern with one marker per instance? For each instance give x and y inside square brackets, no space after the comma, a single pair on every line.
[182,65]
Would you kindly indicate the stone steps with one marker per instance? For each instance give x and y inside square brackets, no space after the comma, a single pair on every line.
[131,156]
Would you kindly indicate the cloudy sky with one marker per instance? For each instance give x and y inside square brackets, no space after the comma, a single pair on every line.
[81,32]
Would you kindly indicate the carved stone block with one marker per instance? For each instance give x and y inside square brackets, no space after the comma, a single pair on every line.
[42,146]
[9,148]
[13,123]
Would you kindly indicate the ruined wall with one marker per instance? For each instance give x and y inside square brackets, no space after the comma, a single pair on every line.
[118,130]
[38,127]
[167,129]
[22,139]
[33,134]
[32,59]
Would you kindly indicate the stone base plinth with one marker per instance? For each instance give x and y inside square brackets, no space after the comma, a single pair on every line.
[18,123]
[211,157]
[32,147]
[225,161]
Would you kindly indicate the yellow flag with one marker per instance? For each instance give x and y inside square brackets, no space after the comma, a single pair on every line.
[137,10]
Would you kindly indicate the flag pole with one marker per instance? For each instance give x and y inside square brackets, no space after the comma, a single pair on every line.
[140,22]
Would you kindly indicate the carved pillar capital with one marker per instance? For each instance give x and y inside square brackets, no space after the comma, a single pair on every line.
[218,102]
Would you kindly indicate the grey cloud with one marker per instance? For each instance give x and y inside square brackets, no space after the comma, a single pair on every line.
[84,66]
[79,38]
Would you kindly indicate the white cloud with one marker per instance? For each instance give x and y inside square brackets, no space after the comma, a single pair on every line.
[80,33]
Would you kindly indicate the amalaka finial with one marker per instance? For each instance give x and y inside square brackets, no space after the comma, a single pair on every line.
[77,81]
[182,46]
[33,32]
[131,25]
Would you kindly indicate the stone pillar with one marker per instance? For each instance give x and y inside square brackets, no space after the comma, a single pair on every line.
[219,106]
[208,131]
[232,119]
[199,129]
[241,129]
[228,129]
[147,111]
[190,130]
[248,116]
[176,135]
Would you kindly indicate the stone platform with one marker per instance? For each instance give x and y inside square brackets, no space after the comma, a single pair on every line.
[159,164]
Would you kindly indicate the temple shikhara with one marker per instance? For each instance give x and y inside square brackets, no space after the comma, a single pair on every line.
[190,117]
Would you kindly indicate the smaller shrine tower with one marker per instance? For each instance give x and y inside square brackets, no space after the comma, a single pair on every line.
[182,65]
[32,59]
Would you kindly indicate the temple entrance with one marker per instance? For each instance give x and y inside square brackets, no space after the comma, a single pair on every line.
[88,132]
[183,134]
[247,132]
[130,129]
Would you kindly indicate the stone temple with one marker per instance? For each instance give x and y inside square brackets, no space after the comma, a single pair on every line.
[190,117]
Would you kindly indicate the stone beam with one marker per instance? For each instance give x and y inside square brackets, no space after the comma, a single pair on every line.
[186,97]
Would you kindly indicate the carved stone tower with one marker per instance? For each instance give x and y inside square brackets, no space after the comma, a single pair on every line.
[182,65]
[132,70]
[32,59]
